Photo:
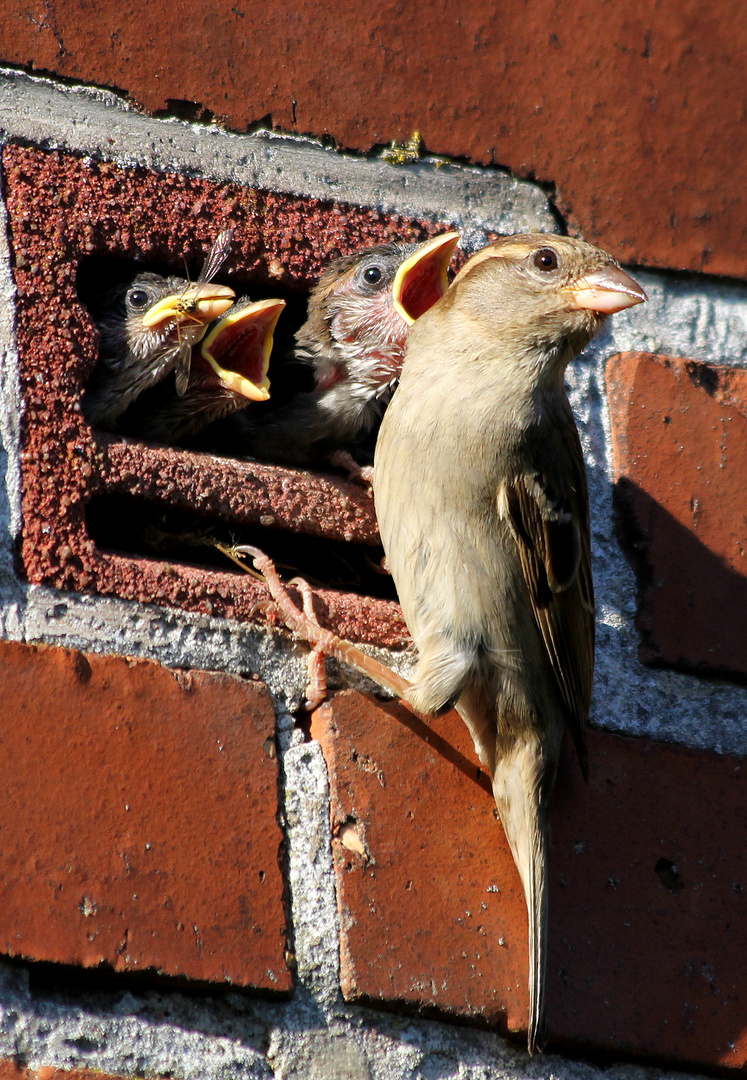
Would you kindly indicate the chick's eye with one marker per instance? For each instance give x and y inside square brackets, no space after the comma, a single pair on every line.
[545,259]
[372,275]
[137,297]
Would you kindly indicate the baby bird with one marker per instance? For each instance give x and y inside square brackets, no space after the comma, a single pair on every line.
[228,369]
[359,315]
[148,329]
[482,502]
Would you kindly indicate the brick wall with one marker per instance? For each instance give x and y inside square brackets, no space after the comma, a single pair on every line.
[196,879]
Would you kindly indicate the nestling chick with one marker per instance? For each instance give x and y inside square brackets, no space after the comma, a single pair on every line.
[360,313]
[147,330]
[228,369]
[483,509]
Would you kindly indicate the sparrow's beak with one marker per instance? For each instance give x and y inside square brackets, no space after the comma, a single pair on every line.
[197,304]
[422,280]
[606,291]
[243,340]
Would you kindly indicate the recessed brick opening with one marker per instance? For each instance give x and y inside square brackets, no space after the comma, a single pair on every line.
[73,222]
[150,530]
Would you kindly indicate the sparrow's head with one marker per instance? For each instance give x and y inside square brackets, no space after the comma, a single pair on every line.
[144,326]
[547,292]
[142,319]
[362,308]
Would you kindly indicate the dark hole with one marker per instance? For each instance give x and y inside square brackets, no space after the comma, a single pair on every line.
[183,109]
[83,1044]
[130,526]
[669,875]
[703,376]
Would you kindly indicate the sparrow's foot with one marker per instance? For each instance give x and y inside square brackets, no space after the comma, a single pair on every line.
[316,688]
[357,474]
[303,623]
[301,620]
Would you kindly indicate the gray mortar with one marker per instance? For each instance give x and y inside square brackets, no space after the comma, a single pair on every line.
[99,123]
[315,1034]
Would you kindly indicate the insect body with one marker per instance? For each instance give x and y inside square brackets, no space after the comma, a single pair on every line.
[183,309]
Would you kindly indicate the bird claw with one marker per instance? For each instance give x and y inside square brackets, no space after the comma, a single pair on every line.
[316,689]
[357,474]
[268,608]
[301,621]
[304,624]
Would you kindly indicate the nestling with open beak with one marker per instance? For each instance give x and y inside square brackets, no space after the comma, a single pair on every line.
[148,329]
[228,370]
[482,503]
[360,313]
[483,509]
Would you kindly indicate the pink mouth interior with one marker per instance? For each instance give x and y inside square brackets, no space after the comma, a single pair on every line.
[421,289]
[240,347]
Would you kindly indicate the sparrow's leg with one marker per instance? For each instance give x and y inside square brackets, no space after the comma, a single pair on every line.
[316,690]
[303,623]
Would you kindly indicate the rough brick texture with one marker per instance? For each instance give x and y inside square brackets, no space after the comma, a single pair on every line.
[679,437]
[635,115]
[63,209]
[139,818]
[648,923]
[9,1070]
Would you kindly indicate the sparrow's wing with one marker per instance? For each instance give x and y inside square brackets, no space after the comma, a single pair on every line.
[551,528]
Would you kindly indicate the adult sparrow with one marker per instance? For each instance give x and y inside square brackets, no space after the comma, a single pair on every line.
[482,502]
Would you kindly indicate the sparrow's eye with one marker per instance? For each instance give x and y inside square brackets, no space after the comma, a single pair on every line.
[138,298]
[372,275]
[545,259]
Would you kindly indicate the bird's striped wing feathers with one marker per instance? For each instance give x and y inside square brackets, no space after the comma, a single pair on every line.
[552,536]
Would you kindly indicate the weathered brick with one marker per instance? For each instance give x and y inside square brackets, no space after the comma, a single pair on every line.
[679,437]
[9,1070]
[139,818]
[635,118]
[647,888]
[64,210]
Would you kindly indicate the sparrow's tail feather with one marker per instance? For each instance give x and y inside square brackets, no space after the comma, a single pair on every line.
[518,782]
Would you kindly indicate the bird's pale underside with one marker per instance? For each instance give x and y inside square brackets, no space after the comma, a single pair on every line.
[482,503]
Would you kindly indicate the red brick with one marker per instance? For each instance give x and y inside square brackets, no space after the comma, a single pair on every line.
[635,115]
[139,818]
[648,925]
[679,436]
[9,1070]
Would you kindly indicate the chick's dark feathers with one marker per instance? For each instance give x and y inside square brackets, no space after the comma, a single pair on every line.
[132,356]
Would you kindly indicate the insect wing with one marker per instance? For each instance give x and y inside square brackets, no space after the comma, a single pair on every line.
[216,256]
[182,366]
